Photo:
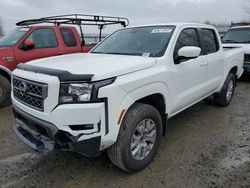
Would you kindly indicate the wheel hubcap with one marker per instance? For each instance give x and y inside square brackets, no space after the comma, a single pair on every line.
[230,90]
[143,139]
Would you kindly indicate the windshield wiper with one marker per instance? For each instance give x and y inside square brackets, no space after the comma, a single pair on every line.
[124,53]
[245,41]
[118,53]
[98,52]
[230,41]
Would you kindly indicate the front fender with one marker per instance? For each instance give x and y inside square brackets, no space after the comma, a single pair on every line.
[147,90]
[119,100]
[139,93]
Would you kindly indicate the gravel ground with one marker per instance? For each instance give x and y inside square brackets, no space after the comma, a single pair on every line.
[205,146]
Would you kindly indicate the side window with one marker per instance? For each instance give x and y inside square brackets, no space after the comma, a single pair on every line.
[188,37]
[210,40]
[68,37]
[43,38]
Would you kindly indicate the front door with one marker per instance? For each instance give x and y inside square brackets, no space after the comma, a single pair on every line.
[46,45]
[189,77]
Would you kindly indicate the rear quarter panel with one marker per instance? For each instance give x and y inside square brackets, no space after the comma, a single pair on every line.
[233,58]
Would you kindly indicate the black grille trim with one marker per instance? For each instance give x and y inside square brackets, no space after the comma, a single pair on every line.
[32,95]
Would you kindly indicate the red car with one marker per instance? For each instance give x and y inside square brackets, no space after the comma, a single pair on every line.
[29,42]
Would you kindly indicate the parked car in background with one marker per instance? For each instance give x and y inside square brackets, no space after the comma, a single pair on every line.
[31,41]
[239,37]
[119,96]
[222,33]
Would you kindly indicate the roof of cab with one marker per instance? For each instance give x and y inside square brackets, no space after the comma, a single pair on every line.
[241,27]
[177,24]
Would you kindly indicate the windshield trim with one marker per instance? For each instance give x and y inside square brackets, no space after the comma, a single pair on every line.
[161,53]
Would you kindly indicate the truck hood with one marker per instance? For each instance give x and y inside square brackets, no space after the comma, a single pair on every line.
[102,66]
[246,47]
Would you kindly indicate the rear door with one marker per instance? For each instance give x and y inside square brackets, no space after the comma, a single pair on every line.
[189,77]
[214,57]
[46,45]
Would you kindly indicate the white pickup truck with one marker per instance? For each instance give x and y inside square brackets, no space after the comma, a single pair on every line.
[119,96]
[239,37]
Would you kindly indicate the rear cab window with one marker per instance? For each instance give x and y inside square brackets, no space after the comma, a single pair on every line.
[211,43]
[68,37]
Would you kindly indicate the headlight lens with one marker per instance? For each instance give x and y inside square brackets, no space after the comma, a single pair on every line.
[81,92]
[70,93]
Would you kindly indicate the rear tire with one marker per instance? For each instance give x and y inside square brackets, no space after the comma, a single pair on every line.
[138,140]
[226,94]
[5,91]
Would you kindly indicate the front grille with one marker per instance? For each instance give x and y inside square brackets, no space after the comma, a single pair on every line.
[30,93]
[246,58]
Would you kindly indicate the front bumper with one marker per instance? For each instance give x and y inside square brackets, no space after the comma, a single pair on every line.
[44,136]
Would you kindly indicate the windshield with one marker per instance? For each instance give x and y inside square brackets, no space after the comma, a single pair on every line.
[241,35]
[13,37]
[140,41]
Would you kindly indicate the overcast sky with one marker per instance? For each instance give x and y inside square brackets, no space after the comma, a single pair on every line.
[138,11]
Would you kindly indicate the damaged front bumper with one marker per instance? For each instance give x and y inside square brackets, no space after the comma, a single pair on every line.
[44,137]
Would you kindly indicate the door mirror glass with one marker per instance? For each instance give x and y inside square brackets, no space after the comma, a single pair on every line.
[29,44]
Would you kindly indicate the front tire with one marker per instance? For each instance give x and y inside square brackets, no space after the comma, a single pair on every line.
[139,138]
[226,94]
[5,90]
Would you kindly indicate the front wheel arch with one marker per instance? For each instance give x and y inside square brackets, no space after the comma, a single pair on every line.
[120,153]
[5,73]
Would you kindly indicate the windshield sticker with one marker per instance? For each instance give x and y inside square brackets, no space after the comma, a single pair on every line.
[145,54]
[161,31]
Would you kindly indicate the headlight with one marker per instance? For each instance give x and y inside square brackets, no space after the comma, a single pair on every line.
[81,92]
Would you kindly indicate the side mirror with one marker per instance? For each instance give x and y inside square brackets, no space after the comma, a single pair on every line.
[29,44]
[188,52]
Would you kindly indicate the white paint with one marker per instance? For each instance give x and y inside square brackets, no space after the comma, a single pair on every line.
[181,85]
